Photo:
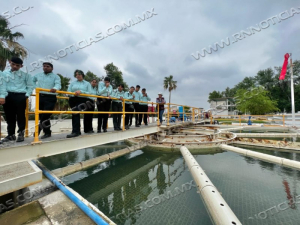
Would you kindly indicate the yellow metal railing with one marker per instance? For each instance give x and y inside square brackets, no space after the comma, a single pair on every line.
[37,111]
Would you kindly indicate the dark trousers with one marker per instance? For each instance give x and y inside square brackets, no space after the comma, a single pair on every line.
[88,118]
[117,107]
[161,112]
[47,102]
[103,105]
[128,108]
[81,104]
[137,109]
[143,108]
[14,109]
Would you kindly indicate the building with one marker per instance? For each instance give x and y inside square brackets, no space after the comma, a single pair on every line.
[223,106]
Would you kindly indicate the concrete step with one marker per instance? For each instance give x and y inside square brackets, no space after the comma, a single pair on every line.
[18,175]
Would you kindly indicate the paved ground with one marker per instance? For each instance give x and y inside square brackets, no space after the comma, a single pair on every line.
[59,136]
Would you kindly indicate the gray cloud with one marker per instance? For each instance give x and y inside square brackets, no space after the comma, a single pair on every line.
[162,45]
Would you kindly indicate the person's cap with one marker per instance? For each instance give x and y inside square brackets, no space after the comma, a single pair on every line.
[47,63]
[16,60]
[160,93]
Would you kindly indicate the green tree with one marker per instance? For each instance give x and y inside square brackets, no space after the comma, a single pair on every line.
[255,101]
[214,94]
[170,84]
[246,83]
[89,76]
[115,75]
[8,43]
[229,92]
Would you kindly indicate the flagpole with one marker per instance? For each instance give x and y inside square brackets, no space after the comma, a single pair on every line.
[292,91]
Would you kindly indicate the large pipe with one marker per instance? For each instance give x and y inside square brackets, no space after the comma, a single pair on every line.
[89,212]
[218,209]
[97,160]
[267,134]
[263,157]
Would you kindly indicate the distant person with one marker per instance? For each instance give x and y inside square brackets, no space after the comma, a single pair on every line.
[206,115]
[161,106]
[144,107]
[47,100]
[16,87]
[117,106]
[104,89]
[79,103]
[136,104]
[129,106]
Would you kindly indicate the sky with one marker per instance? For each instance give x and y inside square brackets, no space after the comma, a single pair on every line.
[161,45]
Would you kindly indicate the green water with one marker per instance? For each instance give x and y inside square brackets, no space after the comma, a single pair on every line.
[121,188]
[69,158]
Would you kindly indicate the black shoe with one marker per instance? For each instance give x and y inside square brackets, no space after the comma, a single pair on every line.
[126,127]
[99,131]
[104,130]
[9,138]
[73,135]
[137,125]
[146,124]
[89,132]
[20,138]
[46,136]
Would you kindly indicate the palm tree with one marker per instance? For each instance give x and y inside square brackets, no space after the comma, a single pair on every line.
[8,43]
[170,84]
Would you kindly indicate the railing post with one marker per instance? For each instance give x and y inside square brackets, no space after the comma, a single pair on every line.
[123,121]
[158,115]
[183,114]
[211,118]
[36,113]
[26,117]
[193,115]
[168,115]
[0,124]
[152,115]
[283,121]
[240,120]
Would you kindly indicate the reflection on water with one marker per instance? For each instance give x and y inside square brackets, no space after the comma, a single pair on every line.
[69,158]
[125,188]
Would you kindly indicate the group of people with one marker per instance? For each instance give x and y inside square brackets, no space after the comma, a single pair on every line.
[16,86]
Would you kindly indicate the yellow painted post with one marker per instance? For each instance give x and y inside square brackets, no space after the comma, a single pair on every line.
[168,115]
[37,111]
[211,118]
[240,120]
[158,115]
[123,121]
[283,121]
[26,117]
[193,115]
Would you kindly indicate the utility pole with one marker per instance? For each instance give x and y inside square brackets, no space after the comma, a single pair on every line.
[292,91]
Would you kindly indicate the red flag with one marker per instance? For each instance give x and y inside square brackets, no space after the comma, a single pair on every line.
[284,67]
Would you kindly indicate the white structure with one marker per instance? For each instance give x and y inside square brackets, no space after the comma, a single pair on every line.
[223,106]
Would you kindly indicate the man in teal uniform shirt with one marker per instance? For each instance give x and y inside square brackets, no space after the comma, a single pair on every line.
[117,106]
[103,104]
[16,87]
[47,80]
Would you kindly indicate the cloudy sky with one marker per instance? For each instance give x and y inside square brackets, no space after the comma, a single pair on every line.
[161,45]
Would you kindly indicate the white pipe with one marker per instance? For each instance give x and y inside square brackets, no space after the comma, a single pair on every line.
[263,157]
[218,209]
[267,134]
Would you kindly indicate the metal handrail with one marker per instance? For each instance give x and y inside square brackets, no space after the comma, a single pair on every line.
[38,111]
